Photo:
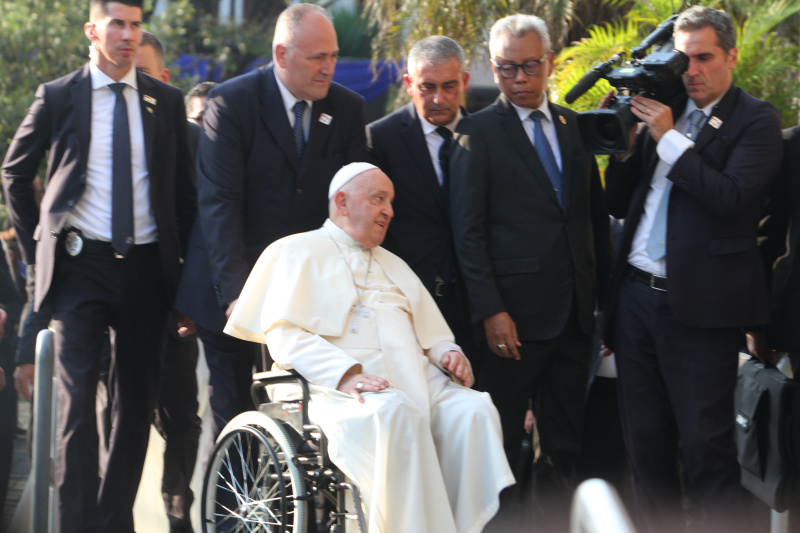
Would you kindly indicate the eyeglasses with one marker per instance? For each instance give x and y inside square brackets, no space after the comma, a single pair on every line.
[449,87]
[509,70]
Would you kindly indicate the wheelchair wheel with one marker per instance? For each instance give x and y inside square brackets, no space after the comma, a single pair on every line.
[251,483]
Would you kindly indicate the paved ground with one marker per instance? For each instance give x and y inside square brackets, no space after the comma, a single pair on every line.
[20,467]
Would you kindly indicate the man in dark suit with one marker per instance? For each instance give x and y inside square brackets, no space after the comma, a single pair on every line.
[106,247]
[689,277]
[533,244]
[412,146]
[176,416]
[263,175]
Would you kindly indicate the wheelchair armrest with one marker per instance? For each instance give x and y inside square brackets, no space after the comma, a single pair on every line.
[261,380]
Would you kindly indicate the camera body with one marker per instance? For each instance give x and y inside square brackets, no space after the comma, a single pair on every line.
[657,76]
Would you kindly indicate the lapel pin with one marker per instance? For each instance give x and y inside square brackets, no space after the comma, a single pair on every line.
[562,119]
[149,99]
[714,122]
[150,110]
[325,118]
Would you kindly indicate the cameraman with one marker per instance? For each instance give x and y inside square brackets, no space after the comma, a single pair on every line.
[689,278]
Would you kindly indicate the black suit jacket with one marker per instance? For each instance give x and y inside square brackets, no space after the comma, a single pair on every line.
[518,249]
[780,243]
[715,276]
[420,230]
[252,190]
[58,125]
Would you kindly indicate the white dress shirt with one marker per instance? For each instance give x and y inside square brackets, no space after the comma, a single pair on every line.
[289,100]
[92,213]
[670,148]
[435,141]
[548,126]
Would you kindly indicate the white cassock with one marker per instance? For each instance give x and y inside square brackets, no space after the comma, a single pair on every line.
[427,454]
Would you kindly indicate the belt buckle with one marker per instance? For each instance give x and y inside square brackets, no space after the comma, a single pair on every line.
[653,283]
[438,289]
[118,255]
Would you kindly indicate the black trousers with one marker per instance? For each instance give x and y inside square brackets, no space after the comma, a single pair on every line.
[92,293]
[451,298]
[555,374]
[230,364]
[177,421]
[676,387]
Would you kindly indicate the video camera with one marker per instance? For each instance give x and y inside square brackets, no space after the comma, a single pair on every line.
[656,76]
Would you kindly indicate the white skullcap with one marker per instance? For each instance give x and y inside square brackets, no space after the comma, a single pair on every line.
[345,174]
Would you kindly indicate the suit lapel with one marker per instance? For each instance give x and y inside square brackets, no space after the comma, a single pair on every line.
[274,117]
[719,115]
[414,138]
[522,143]
[319,130]
[147,106]
[82,102]
[565,146]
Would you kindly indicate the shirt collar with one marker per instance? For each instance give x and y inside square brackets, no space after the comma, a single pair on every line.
[525,112]
[101,79]
[428,128]
[691,106]
[340,235]
[288,98]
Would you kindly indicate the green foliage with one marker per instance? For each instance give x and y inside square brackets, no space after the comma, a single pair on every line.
[767,63]
[401,23]
[354,33]
[185,31]
[39,41]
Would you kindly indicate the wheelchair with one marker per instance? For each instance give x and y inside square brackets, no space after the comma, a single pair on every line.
[270,470]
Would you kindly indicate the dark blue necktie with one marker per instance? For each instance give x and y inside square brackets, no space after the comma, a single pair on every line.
[121,176]
[546,156]
[656,246]
[299,136]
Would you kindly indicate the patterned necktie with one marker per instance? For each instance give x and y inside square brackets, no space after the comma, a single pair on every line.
[546,156]
[656,246]
[299,136]
[121,176]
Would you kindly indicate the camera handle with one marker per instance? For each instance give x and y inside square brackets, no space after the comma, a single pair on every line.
[662,32]
[591,77]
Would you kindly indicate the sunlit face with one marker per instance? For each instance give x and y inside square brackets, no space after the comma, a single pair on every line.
[367,207]
[196,109]
[116,35]
[710,71]
[147,61]
[523,90]
[437,90]
[306,66]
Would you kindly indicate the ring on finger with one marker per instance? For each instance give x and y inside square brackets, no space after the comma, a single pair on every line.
[359,386]
[501,346]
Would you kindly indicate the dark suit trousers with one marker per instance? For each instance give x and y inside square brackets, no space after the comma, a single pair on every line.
[177,421]
[230,364]
[676,385]
[451,298]
[93,292]
[555,374]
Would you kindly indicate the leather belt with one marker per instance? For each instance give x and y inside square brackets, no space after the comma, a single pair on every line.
[658,283]
[76,244]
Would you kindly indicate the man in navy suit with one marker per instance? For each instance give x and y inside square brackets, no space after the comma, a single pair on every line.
[689,278]
[533,245]
[272,140]
[106,246]
[412,146]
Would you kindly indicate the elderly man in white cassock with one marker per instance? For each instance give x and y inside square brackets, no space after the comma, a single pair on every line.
[357,323]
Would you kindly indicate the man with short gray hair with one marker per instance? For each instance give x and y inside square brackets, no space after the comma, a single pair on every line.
[531,231]
[412,146]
